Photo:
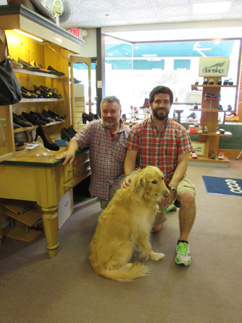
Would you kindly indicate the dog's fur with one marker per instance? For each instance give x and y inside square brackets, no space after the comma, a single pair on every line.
[126,224]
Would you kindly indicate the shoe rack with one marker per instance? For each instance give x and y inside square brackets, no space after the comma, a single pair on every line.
[209,117]
[53,51]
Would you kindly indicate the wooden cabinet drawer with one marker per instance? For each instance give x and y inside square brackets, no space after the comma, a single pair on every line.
[68,173]
[80,159]
[82,169]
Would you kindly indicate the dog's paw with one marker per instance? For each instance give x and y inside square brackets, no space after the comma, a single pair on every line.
[157,256]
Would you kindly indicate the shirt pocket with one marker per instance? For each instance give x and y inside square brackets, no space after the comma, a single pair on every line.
[119,152]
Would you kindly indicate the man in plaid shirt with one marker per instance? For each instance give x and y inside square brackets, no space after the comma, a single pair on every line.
[106,139]
[162,142]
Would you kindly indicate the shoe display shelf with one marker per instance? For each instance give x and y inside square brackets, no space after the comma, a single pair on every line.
[209,117]
[51,48]
[33,175]
[24,220]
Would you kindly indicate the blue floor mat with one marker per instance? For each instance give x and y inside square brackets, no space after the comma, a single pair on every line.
[221,185]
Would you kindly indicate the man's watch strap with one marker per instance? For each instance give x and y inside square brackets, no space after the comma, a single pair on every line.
[171,189]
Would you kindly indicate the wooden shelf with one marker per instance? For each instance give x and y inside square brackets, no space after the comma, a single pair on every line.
[209,118]
[33,100]
[206,98]
[21,129]
[19,232]
[43,74]
[213,85]
[210,110]
[227,133]
[29,218]
[214,162]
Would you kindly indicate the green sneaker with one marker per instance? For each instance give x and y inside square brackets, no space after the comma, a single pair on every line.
[170,208]
[183,257]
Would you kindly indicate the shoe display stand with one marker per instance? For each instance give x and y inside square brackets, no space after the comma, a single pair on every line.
[25,220]
[209,117]
[30,175]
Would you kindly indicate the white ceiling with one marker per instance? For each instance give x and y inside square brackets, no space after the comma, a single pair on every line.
[158,14]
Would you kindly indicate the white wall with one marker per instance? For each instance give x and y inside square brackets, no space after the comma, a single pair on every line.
[89,48]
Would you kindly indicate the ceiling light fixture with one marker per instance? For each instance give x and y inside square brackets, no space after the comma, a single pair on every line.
[211,7]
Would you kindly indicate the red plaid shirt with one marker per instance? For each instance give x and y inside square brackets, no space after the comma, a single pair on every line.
[106,156]
[159,149]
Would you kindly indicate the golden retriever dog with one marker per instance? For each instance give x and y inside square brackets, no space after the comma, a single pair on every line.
[125,225]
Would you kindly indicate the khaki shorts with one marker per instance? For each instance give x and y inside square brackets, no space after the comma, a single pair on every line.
[184,185]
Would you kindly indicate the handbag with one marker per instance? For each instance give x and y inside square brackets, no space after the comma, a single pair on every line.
[10,91]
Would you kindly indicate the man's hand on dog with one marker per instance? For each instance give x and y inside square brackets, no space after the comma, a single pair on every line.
[126,183]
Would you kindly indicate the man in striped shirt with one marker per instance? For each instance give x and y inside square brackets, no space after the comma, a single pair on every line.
[162,142]
[106,139]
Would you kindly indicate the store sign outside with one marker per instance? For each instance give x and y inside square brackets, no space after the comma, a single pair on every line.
[213,66]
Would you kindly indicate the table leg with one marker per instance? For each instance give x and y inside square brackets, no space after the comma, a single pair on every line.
[50,221]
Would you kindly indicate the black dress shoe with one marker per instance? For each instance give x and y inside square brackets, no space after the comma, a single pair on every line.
[40,116]
[16,126]
[28,66]
[47,115]
[71,130]
[20,122]
[65,134]
[55,115]
[33,119]
[48,143]
[53,71]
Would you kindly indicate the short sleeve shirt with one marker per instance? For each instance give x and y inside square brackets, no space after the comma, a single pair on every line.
[107,155]
[159,149]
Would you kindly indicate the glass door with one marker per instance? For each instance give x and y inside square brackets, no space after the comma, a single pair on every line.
[80,83]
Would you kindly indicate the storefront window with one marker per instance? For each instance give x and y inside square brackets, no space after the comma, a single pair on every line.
[133,70]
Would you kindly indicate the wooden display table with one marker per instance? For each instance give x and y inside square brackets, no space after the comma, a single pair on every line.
[44,180]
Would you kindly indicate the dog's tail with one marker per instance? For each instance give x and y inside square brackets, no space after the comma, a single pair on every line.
[126,272]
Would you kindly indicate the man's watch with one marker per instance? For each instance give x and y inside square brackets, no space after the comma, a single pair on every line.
[172,189]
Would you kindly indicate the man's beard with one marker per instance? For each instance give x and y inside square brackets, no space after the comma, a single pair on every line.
[160,117]
[109,125]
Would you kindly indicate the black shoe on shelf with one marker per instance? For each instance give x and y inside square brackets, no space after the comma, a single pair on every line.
[55,115]
[71,130]
[53,71]
[28,66]
[65,134]
[20,122]
[33,119]
[76,81]
[48,143]
[40,116]
[48,116]
[16,126]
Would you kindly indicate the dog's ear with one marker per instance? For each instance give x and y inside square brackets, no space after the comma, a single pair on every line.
[139,181]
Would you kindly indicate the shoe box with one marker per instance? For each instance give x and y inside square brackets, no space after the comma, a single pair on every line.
[65,207]
[195,129]
[61,142]
[23,219]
